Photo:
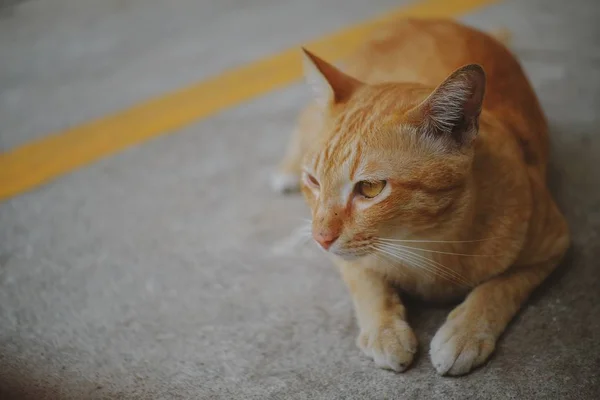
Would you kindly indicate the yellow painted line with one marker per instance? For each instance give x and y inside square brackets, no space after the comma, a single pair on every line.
[45,159]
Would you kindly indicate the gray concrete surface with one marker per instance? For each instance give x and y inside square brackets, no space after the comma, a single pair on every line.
[66,61]
[164,272]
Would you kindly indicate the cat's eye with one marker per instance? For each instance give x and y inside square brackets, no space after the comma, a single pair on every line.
[370,189]
[311,180]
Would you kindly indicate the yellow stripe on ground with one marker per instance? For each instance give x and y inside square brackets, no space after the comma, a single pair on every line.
[40,161]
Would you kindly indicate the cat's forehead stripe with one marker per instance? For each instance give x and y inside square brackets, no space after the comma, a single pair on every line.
[345,158]
[327,152]
[356,161]
[350,128]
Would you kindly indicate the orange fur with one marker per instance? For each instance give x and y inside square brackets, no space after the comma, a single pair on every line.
[465,191]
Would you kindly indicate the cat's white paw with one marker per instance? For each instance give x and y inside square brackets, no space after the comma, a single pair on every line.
[283,182]
[461,344]
[391,345]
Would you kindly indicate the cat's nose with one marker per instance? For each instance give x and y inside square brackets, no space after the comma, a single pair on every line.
[326,238]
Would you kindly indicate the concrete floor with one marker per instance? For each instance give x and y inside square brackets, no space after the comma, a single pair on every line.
[90,58]
[159,272]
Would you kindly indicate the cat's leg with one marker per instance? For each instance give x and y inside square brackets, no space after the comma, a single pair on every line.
[385,336]
[469,335]
[286,177]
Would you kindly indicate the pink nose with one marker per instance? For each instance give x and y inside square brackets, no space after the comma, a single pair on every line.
[326,238]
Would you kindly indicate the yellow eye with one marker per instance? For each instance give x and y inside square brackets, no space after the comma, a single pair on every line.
[370,189]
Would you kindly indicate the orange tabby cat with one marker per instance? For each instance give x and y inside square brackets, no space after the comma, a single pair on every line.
[417,180]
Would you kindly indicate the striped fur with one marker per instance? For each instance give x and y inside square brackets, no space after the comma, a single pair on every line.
[465,210]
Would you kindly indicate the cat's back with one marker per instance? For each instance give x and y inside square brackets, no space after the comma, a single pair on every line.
[427,51]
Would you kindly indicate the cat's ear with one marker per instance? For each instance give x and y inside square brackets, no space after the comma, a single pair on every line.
[453,109]
[331,86]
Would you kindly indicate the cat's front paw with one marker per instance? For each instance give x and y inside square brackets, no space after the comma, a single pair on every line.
[392,345]
[462,343]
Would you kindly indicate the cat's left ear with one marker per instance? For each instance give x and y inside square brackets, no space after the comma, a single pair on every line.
[452,110]
[331,86]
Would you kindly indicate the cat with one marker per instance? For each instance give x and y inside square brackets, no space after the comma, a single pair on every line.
[424,165]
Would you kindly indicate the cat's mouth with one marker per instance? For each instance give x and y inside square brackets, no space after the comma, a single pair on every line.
[349,256]
[351,250]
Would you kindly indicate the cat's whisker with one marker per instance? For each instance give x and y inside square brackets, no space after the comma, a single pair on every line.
[389,257]
[413,264]
[443,272]
[381,257]
[441,241]
[419,264]
[428,260]
[304,240]
[298,238]
[448,272]
[397,245]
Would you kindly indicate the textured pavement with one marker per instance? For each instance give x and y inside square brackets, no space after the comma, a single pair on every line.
[167,271]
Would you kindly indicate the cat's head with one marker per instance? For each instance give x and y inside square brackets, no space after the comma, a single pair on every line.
[394,160]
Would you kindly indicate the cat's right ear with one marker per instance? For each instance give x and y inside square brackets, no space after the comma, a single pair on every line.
[330,85]
[452,110]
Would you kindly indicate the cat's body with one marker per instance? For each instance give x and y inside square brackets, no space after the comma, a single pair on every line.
[459,202]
